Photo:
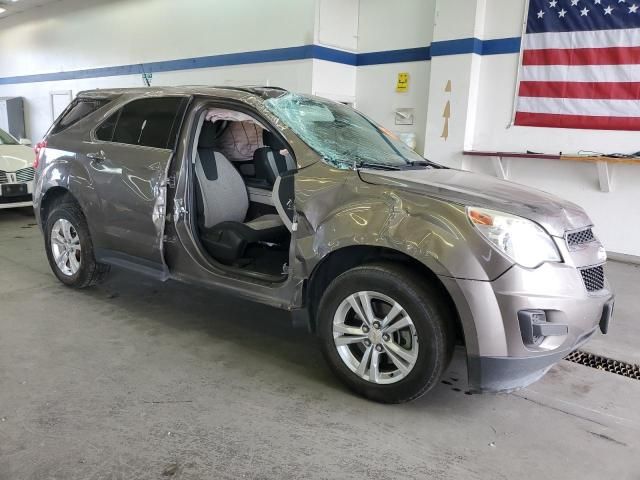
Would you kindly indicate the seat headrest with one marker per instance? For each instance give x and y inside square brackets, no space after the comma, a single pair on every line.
[210,133]
[270,140]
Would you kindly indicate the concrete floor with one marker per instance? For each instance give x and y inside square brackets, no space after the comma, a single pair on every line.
[137,380]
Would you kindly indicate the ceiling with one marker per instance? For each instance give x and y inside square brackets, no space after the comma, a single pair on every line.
[17,6]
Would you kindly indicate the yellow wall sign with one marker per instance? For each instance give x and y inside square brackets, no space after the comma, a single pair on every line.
[403,82]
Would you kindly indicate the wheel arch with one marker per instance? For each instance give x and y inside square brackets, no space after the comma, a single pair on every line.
[50,198]
[58,194]
[346,258]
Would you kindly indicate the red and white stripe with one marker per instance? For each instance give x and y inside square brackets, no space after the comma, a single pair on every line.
[587,80]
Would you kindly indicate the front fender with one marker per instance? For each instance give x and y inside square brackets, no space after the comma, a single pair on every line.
[430,236]
[434,232]
[338,210]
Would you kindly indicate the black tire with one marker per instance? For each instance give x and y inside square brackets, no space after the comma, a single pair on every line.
[90,272]
[433,321]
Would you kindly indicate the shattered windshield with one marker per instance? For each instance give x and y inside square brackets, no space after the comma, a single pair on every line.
[6,139]
[341,135]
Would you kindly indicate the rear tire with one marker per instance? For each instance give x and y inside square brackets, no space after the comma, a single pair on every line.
[406,343]
[72,259]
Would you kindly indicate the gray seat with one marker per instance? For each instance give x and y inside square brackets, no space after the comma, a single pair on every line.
[269,162]
[223,203]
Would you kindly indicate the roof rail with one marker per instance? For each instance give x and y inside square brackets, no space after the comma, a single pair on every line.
[255,89]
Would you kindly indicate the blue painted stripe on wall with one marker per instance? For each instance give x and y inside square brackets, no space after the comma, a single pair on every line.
[224,60]
[456,47]
[497,46]
[331,55]
[501,46]
[305,52]
[419,54]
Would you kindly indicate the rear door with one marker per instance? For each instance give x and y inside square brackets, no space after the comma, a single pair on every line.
[128,160]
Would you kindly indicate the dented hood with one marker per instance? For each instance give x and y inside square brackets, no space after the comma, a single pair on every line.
[471,189]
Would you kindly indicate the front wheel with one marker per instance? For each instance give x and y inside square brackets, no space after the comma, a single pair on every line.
[69,247]
[385,332]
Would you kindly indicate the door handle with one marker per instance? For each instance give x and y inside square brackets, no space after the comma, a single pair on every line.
[97,156]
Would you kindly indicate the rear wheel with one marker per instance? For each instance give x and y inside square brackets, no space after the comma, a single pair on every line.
[69,247]
[385,332]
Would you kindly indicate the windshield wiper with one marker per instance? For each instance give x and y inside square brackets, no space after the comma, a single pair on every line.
[373,165]
[420,164]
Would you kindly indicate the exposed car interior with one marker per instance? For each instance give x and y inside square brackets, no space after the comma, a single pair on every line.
[237,164]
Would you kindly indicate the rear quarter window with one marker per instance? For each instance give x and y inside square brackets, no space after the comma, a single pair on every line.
[76,111]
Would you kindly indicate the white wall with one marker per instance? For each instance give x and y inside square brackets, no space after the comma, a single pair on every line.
[393,26]
[334,80]
[337,24]
[80,34]
[458,71]
[385,25]
[84,34]
[336,28]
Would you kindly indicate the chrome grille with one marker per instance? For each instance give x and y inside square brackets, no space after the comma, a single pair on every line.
[3,177]
[25,175]
[580,238]
[593,278]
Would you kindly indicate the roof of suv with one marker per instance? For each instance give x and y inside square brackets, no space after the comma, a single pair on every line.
[218,91]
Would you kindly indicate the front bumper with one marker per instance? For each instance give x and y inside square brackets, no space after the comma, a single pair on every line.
[499,359]
[504,374]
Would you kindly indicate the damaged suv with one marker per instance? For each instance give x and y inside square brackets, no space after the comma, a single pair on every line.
[307,205]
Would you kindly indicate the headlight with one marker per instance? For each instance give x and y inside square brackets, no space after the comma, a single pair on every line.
[522,240]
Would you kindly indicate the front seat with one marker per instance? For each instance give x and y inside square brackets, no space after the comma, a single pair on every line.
[269,162]
[223,202]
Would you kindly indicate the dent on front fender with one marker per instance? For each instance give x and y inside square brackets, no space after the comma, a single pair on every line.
[343,211]
[383,223]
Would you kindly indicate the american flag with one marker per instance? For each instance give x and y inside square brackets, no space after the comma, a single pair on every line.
[581,65]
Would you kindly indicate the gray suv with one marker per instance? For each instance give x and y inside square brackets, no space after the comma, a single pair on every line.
[309,206]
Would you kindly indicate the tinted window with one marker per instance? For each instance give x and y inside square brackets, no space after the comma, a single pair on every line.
[150,122]
[78,109]
[105,131]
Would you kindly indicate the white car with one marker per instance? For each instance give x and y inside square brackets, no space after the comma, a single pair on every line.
[16,172]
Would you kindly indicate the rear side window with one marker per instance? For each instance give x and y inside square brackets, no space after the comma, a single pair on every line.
[79,109]
[149,122]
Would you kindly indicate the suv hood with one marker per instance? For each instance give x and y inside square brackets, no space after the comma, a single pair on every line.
[15,157]
[472,189]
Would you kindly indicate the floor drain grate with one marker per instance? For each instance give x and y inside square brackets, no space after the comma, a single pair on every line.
[607,364]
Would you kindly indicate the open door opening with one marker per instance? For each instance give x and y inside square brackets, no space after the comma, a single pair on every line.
[237,169]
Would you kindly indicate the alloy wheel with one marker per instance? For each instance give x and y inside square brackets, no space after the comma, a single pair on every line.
[375,337]
[65,247]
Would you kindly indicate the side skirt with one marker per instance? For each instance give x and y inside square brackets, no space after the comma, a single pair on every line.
[136,264]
